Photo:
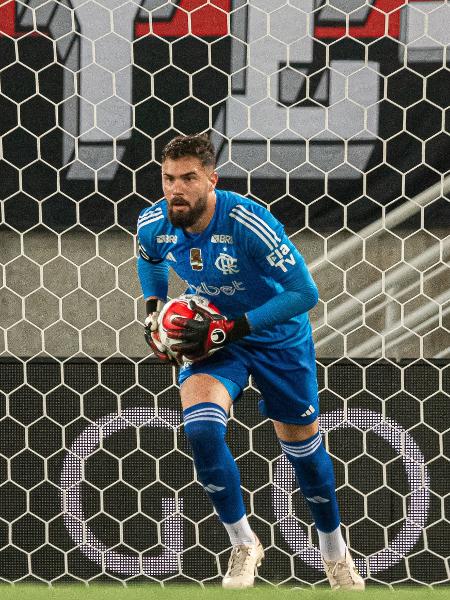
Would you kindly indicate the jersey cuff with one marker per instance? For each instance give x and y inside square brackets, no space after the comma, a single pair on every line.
[154,305]
[241,329]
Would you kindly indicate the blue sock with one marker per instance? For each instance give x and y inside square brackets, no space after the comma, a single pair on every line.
[205,425]
[315,475]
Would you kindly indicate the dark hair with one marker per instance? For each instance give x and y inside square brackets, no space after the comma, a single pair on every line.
[198,145]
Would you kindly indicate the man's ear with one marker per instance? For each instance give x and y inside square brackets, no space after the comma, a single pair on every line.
[213,179]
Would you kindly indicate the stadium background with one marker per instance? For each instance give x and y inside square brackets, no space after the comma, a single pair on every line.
[334,116]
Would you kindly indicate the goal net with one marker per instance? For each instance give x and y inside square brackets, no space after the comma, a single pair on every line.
[332,114]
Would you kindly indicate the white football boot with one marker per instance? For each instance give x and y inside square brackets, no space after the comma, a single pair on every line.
[242,566]
[343,575]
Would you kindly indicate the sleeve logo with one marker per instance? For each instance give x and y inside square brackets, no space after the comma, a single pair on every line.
[280,256]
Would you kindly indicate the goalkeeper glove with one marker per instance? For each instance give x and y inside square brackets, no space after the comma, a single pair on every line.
[201,338]
[151,333]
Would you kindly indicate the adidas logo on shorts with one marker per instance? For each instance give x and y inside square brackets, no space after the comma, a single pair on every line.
[308,412]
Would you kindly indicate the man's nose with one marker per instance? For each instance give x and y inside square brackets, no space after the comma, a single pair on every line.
[177,188]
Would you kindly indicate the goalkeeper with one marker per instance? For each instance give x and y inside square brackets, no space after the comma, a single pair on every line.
[234,253]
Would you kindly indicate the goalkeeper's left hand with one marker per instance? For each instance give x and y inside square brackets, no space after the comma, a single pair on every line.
[201,338]
[151,333]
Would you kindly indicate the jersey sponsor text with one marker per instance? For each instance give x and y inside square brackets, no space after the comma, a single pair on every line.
[218,238]
[281,255]
[166,239]
[213,290]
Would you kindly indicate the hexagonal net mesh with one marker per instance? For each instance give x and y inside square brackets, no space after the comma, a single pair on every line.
[333,115]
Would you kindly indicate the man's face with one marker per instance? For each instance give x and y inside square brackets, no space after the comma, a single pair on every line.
[186,185]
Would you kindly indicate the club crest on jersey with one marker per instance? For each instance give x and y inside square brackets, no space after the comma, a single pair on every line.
[196,259]
[227,264]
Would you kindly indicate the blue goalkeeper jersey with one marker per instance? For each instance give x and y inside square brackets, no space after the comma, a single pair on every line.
[240,261]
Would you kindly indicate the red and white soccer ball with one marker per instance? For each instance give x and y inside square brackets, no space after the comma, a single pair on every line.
[179,307]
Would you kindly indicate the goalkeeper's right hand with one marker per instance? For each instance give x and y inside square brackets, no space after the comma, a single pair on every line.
[151,333]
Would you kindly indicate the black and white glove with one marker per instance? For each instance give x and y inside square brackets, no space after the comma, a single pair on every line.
[199,338]
[151,333]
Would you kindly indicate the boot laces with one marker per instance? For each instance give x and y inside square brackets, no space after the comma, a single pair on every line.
[341,571]
[238,559]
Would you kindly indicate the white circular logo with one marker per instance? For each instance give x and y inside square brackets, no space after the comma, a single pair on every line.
[217,336]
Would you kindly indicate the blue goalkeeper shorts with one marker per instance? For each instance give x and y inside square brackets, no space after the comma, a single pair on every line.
[286,378]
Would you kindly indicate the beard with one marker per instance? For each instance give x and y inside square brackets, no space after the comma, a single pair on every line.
[189,217]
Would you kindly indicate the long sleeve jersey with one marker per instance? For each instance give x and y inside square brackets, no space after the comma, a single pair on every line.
[243,262]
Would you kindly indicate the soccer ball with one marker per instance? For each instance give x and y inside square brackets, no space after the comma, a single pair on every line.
[179,307]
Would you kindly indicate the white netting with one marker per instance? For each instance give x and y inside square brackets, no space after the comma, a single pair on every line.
[334,115]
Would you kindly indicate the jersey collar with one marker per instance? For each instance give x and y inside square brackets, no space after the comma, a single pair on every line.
[211,225]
